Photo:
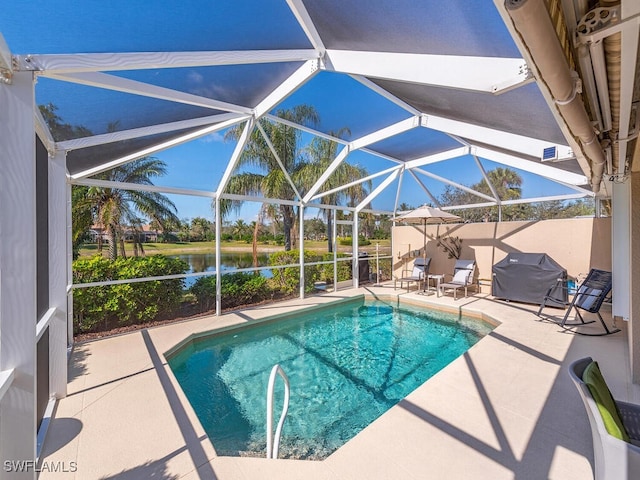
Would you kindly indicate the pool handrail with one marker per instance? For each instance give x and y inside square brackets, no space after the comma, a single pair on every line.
[273,440]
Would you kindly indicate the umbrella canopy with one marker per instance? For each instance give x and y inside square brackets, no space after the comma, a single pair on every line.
[427,214]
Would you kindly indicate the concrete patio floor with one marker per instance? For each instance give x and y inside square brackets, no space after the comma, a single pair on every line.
[506,409]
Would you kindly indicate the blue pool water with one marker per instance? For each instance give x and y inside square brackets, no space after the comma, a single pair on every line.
[347,365]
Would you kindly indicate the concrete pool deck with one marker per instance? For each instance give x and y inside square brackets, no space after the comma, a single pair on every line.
[506,409]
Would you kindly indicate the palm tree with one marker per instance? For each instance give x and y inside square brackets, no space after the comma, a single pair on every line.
[115,207]
[321,153]
[271,181]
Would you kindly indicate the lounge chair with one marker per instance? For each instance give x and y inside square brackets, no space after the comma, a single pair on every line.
[463,273]
[419,272]
[589,297]
[615,425]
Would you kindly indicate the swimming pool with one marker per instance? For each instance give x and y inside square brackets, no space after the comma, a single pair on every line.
[347,365]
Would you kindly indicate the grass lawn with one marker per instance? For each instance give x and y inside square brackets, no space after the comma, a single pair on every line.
[210,247]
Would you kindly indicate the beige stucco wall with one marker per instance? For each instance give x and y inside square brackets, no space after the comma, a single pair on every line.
[577,244]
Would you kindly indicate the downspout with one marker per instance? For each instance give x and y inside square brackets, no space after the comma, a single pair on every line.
[533,23]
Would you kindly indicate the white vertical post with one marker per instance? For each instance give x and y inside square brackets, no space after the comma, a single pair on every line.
[218,259]
[18,273]
[334,234]
[69,269]
[58,274]
[354,238]
[301,243]
[621,248]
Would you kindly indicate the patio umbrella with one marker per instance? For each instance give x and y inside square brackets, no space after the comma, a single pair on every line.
[427,215]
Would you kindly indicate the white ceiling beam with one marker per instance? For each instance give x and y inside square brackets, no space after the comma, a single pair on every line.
[326,174]
[384,133]
[120,84]
[286,88]
[546,171]
[486,179]
[136,187]
[277,157]
[509,141]
[304,20]
[153,149]
[398,190]
[454,184]
[379,189]
[235,156]
[438,157]
[435,201]
[357,182]
[383,93]
[382,155]
[482,74]
[520,201]
[43,132]
[306,129]
[84,142]
[250,198]
[100,62]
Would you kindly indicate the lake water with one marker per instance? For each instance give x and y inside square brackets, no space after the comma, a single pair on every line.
[206,262]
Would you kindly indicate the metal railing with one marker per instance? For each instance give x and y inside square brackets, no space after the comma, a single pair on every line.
[273,439]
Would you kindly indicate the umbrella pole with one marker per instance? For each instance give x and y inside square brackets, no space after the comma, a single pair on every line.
[425,277]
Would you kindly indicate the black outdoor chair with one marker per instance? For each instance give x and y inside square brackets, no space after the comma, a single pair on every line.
[589,297]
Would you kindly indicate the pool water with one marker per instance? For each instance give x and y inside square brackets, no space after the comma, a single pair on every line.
[346,364]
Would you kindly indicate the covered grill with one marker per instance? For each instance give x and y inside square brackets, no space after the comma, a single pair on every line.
[526,277]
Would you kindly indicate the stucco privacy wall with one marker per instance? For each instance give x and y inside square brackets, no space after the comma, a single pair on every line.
[577,244]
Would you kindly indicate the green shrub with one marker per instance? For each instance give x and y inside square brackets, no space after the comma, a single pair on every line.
[346,241]
[287,280]
[127,303]
[237,289]
[344,268]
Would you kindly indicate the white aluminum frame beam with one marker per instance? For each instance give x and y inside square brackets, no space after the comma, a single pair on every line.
[498,138]
[480,74]
[249,198]
[437,157]
[235,156]
[286,88]
[356,182]
[125,85]
[424,187]
[304,128]
[486,179]
[100,62]
[546,171]
[156,148]
[102,139]
[18,272]
[454,184]
[384,93]
[568,196]
[137,187]
[327,173]
[308,27]
[43,132]
[277,157]
[58,271]
[384,133]
[379,189]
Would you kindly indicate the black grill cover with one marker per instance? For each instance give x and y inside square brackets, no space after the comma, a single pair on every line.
[526,277]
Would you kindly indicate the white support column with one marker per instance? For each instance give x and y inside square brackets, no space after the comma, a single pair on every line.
[18,273]
[621,248]
[218,258]
[301,243]
[69,269]
[58,274]
[354,242]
